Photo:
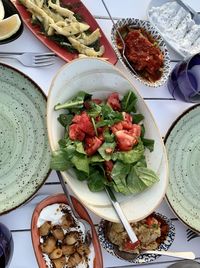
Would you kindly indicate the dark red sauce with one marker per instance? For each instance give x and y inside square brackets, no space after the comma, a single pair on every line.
[142,52]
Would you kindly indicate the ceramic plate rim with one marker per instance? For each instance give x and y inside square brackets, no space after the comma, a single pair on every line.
[196,106]
[49,171]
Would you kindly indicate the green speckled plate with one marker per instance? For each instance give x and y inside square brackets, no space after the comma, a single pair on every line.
[183,147]
[24,148]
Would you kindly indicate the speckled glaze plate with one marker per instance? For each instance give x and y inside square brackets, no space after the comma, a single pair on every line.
[183,148]
[146,25]
[24,148]
[142,258]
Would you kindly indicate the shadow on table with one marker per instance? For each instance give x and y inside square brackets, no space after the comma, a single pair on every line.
[185,264]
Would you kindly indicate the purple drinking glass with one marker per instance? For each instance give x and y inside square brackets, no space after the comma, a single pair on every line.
[184,80]
[6,246]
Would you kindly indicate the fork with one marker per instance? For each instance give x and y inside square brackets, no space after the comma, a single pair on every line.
[191,234]
[30,59]
[121,38]
[88,231]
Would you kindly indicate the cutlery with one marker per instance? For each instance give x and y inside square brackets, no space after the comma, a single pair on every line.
[121,215]
[121,38]
[191,234]
[195,16]
[30,59]
[131,256]
[88,232]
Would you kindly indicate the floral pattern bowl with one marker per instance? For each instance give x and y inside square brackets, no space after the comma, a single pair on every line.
[142,258]
[151,31]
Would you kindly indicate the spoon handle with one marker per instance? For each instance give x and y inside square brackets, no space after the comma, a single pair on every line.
[121,215]
[184,255]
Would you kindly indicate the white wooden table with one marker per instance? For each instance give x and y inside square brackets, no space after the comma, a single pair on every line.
[164,108]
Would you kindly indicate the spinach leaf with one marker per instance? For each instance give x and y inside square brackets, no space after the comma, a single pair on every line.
[96,180]
[79,147]
[96,159]
[148,143]
[131,156]
[140,178]
[81,176]
[137,118]
[118,174]
[128,102]
[75,103]
[65,119]
[106,150]
[59,161]
[109,116]
[94,109]
[80,162]
[109,137]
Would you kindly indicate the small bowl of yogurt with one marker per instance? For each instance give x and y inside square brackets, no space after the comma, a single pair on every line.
[58,237]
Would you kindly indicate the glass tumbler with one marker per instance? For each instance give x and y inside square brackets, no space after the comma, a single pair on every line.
[6,246]
[184,80]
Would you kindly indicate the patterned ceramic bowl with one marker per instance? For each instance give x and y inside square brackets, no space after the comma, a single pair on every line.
[142,258]
[150,30]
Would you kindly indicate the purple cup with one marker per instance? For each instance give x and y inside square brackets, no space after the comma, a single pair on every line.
[6,246]
[184,80]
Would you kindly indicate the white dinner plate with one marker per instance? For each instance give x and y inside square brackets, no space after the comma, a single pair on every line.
[101,78]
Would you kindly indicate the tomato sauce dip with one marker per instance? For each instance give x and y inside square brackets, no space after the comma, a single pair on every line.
[142,52]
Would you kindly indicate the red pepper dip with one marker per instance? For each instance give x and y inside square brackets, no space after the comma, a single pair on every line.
[143,54]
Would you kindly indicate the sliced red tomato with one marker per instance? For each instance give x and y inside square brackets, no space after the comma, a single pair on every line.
[127,117]
[136,130]
[125,140]
[97,101]
[128,245]
[116,127]
[75,133]
[149,221]
[114,102]
[92,144]
[84,123]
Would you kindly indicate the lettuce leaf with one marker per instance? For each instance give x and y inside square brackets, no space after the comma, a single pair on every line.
[140,178]
[118,174]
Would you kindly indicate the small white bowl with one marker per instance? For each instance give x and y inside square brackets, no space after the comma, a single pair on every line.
[101,78]
[146,25]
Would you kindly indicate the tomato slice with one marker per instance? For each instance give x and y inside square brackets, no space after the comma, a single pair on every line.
[75,133]
[149,221]
[128,245]
[114,102]
[84,123]
[92,144]
[125,141]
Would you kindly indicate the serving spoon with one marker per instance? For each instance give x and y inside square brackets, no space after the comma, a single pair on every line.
[88,229]
[121,38]
[189,255]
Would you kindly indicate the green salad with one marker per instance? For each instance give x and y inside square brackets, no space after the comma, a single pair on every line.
[104,143]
